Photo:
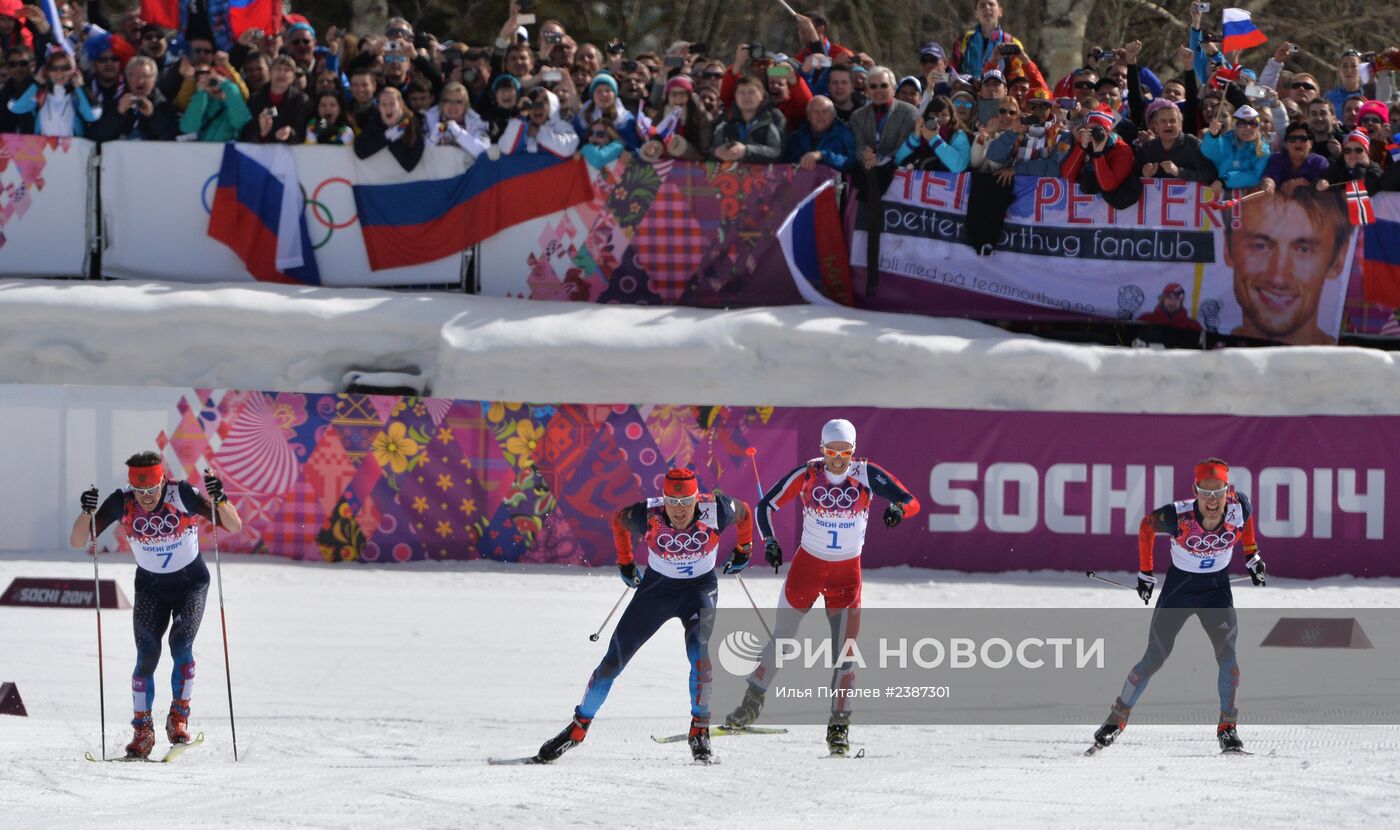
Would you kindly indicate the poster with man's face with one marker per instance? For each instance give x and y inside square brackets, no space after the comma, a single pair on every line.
[1267,266]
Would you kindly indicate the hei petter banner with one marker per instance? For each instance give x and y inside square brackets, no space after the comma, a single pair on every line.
[1269,266]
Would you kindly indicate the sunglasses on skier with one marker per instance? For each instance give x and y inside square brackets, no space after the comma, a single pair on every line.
[147,491]
[1212,494]
[830,453]
[679,501]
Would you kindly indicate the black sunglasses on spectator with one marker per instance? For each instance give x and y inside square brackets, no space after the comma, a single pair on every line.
[1354,151]
[1248,122]
[1372,121]
[16,64]
[64,68]
[1083,84]
[107,59]
[1009,112]
[1298,138]
[597,134]
[1303,85]
[878,86]
[303,41]
[713,75]
[403,33]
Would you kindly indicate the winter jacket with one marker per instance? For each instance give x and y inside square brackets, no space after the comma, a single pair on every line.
[83,110]
[1239,165]
[947,155]
[406,150]
[600,157]
[162,124]
[1338,175]
[211,119]
[1109,173]
[1191,164]
[555,136]
[471,136]
[293,111]
[763,136]
[625,123]
[1044,158]
[837,145]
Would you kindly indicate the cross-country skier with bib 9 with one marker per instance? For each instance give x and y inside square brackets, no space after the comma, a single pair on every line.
[158,517]
[835,491]
[1204,532]
[681,531]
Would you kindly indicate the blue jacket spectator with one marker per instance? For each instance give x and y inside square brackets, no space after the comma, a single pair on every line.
[824,135]
[1240,155]
[603,102]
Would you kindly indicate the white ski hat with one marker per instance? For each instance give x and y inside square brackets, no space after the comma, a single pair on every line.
[839,429]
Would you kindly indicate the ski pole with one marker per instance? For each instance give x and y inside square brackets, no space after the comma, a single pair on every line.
[753,457]
[593,638]
[1093,575]
[223,624]
[97,606]
[761,620]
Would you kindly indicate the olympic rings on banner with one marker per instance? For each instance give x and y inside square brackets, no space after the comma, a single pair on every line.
[318,209]
[835,498]
[159,525]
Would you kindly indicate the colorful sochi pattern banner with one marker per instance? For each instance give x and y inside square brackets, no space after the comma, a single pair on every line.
[43,199]
[395,479]
[1272,267]
[673,233]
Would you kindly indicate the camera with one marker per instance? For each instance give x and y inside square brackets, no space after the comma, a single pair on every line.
[821,61]
[552,76]
[616,47]
[393,47]
[1203,8]
[1292,48]
[1098,134]
[931,123]
[553,37]
[1096,54]
[1009,49]
[469,74]
[757,52]
[1029,120]
[1209,37]
[699,48]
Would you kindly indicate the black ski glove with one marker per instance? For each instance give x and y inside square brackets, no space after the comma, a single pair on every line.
[739,559]
[894,514]
[1256,569]
[89,500]
[773,553]
[1146,582]
[630,575]
[214,488]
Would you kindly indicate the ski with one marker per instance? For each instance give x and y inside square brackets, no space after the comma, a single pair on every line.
[720,732]
[1235,752]
[860,753]
[1095,749]
[171,754]
[511,762]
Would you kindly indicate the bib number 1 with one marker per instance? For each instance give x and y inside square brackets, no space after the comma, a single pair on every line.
[833,545]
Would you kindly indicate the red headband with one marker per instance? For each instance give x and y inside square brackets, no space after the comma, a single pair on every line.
[145,476]
[680,482]
[1212,469]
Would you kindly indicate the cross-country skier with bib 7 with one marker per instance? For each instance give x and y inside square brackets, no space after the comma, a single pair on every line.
[835,491]
[158,517]
[681,531]
[1204,532]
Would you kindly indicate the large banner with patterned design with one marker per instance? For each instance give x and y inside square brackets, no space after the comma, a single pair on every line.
[44,212]
[365,478]
[674,233]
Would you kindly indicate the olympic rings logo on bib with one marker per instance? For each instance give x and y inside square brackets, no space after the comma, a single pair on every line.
[1210,543]
[682,542]
[835,498]
[162,524]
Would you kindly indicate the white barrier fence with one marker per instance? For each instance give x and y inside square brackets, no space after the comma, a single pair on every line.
[45,206]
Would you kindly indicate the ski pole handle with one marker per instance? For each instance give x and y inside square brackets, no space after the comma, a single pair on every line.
[753,458]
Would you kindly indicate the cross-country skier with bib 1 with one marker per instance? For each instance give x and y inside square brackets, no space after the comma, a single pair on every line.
[1204,532]
[681,531]
[158,518]
[835,492]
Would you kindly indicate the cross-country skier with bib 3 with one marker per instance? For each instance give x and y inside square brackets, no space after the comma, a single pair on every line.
[158,517]
[681,532]
[835,491]
[1204,532]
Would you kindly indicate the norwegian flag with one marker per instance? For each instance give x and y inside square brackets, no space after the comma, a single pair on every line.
[1394,149]
[1226,75]
[1359,204]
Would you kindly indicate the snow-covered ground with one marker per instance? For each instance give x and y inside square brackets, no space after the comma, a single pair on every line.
[291,339]
[371,697]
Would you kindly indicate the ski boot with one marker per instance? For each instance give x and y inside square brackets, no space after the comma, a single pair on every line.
[748,710]
[1230,743]
[178,721]
[144,739]
[566,740]
[1114,725]
[838,740]
[699,741]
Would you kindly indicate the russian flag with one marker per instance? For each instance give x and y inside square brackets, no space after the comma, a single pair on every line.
[56,25]
[413,222]
[163,13]
[1380,257]
[814,244]
[255,14]
[1239,31]
[258,212]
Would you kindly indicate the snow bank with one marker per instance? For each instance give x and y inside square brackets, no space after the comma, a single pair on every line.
[305,339]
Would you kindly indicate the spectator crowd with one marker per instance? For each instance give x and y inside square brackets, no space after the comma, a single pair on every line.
[983,105]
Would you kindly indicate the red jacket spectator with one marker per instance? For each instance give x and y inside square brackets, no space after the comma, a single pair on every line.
[1109,171]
